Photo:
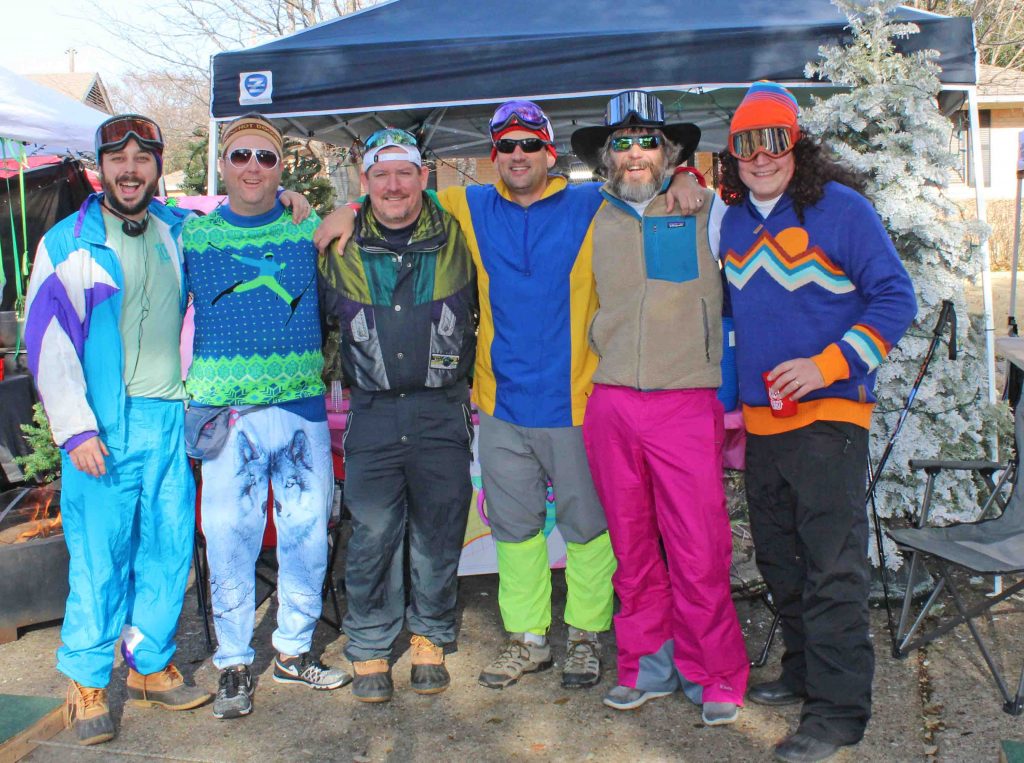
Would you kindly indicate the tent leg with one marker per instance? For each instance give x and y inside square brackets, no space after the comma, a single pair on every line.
[211,160]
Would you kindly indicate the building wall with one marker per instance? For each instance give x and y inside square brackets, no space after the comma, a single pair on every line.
[1006,125]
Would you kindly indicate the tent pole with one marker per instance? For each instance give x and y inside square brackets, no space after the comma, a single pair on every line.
[986,270]
[211,160]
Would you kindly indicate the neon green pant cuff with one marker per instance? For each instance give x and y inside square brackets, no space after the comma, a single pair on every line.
[588,576]
[524,585]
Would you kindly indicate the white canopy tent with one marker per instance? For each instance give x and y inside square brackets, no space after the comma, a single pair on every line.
[45,120]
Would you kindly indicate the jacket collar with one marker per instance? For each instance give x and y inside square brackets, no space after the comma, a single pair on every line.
[429,233]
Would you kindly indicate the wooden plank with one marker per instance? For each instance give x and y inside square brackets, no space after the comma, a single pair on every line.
[25,721]
[1011,348]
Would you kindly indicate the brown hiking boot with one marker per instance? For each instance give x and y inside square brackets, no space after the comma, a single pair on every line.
[429,675]
[88,713]
[166,689]
[371,681]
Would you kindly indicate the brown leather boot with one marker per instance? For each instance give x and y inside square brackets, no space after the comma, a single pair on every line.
[166,689]
[429,675]
[88,713]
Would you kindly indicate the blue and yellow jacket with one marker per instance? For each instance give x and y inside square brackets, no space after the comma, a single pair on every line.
[537,298]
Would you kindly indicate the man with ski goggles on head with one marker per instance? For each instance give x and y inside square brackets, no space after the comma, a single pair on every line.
[530,236]
[654,426]
[257,358]
[819,298]
[104,314]
[403,292]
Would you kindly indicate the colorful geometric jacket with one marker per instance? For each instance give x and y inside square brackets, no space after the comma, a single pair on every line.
[407,313]
[831,289]
[533,363]
[72,327]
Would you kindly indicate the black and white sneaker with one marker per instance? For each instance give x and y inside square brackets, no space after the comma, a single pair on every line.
[307,670]
[234,693]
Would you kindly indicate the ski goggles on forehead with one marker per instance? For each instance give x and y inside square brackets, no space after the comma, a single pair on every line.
[525,113]
[390,136]
[625,142]
[265,158]
[773,141]
[115,132]
[645,107]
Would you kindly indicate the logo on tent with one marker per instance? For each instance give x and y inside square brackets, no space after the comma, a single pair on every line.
[255,87]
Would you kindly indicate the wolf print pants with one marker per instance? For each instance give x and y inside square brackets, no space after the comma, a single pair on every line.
[268,446]
[129,537]
[406,466]
[657,462]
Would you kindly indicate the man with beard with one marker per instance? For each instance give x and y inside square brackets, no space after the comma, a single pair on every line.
[654,426]
[530,236]
[104,313]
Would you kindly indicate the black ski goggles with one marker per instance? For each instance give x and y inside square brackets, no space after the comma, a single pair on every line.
[116,131]
[773,141]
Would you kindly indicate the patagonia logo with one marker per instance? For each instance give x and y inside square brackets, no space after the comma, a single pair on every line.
[446,326]
[360,331]
[437,360]
[679,224]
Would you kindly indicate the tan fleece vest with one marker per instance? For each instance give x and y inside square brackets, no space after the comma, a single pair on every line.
[652,333]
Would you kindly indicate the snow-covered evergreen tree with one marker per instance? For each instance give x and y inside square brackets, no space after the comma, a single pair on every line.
[888,125]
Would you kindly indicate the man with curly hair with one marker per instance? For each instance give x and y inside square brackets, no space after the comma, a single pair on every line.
[819,298]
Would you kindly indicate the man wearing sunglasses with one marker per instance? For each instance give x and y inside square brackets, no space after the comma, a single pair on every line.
[654,425]
[529,236]
[404,294]
[104,314]
[819,298]
[257,353]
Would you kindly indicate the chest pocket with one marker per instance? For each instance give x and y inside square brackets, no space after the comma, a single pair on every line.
[670,248]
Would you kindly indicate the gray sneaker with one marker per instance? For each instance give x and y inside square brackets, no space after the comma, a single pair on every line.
[234,693]
[307,670]
[719,713]
[627,698]
[582,660]
[517,658]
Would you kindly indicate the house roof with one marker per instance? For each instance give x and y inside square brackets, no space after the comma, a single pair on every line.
[84,87]
[1000,82]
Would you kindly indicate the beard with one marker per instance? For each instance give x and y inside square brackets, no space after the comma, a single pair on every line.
[114,202]
[634,192]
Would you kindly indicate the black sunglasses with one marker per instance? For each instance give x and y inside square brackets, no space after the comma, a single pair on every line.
[265,158]
[529,145]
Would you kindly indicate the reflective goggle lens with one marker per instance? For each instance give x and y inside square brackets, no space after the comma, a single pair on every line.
[525,113]
[646,107]
[529,145]
[115,132]
[774,141]
[390,136]
[646,142]
[265,158]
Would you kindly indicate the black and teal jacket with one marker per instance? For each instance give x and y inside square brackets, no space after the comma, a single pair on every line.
[407,313]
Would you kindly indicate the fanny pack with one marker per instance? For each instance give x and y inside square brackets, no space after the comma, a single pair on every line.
[207,428]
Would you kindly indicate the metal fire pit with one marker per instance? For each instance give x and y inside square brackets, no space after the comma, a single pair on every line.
[33,560]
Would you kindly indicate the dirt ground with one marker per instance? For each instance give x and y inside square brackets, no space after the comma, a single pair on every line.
[939,704]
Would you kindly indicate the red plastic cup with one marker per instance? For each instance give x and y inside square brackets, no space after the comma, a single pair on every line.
[782,407]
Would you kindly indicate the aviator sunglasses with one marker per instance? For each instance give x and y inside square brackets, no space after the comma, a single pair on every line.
[528,145]
[625,142]
[265,158]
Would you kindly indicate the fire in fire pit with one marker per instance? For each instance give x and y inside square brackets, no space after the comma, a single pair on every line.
[33,559]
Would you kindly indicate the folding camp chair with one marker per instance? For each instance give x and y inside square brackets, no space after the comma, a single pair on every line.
[987,546]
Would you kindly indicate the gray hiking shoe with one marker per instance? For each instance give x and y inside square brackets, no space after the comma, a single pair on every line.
[517,658]
[582,660]
[719,713]
[234,692]
[627,698]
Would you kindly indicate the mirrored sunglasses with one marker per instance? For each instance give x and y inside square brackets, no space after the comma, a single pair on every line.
[114,133]
[528,145]
[525,113]
[773,141]
[646,142]
[390,136]
[645,107]
[265,158]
